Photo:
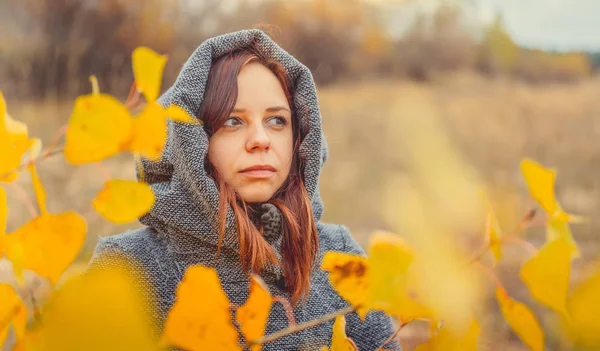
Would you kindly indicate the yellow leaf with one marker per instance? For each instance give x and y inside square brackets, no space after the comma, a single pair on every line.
[123,201]
[446,340]
[200,326]
[389,290]
[98,128]
[493,231]
[13,126]
[97,311]
[12,312]
[339,340]
[522,321]
[9,176]
[541,184]
[469,340]
[571,218]
[38,188]
[547,274]
[13,144]
[95,86]
[348,276]
[584,308]
[48,244]
[4,245]
[495,242]
[148,69]
[35,149]
[14,252]
[253,315]
[557,228]
[178,114]
[3,214]
[149,132]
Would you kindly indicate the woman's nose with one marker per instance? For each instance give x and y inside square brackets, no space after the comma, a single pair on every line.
[258,139]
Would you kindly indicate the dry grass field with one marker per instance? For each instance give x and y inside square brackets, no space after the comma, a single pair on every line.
[493,124]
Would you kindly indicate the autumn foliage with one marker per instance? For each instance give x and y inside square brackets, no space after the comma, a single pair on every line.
[428,278]
[48,48]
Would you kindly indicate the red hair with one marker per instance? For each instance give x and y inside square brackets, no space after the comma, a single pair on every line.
[300,241]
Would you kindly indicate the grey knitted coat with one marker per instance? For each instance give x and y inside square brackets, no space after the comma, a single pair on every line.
[182,230]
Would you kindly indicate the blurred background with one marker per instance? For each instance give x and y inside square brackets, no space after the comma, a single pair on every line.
[508,79]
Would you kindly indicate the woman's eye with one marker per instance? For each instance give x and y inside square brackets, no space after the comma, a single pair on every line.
[232,122]
[278,121]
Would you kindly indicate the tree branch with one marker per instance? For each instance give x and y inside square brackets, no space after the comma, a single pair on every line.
[491,275]
[526,222]
[45,155]
[288,309]
[529,247]
[393,336]
[301,326]
[25,198]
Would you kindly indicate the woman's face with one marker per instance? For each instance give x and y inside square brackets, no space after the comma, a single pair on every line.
[253,149]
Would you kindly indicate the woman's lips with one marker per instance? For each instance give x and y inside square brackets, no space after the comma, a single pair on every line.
[259,171]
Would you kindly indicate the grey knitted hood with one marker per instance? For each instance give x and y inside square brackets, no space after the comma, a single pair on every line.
[187,199]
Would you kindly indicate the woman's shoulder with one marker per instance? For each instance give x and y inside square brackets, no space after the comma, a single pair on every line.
[337,237]
[137,244]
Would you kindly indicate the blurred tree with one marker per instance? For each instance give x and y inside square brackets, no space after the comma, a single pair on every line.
[453,44]
[537,66]
[436,42]
[499,52]
[594,58]
[50,47]
[77,38]
[374,56]
[414,51]
[323,34]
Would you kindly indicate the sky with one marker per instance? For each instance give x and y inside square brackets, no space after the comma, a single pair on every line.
[547,24]
[550,24]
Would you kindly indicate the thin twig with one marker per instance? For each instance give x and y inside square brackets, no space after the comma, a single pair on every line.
[479,253]
[45,154]
[523,243]
[530,220]
[393,336]
[133,100]
[288,309]
[25,198]
[539,222]
[491,275]
[485,247]
[526,222]
[37,312]
[301,326]
[105,173]
[132,90]
[59,133]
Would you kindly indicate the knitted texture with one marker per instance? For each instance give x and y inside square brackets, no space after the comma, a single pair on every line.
[182,227]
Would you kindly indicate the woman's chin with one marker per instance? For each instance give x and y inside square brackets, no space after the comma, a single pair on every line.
[256,194]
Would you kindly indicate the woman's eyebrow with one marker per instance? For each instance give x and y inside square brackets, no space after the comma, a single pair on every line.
[270,109]
[277,108]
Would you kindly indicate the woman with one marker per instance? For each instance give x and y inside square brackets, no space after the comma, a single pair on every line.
[240,193]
